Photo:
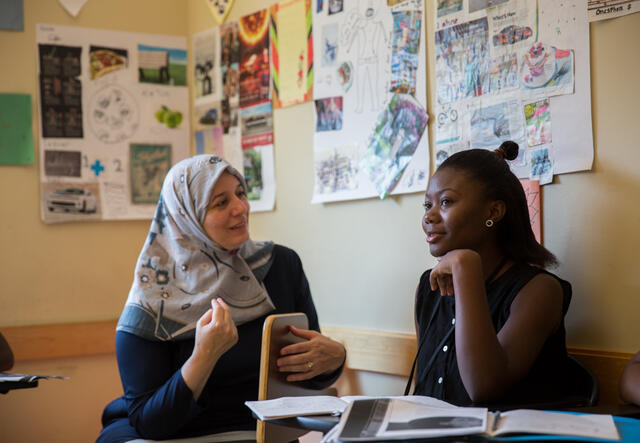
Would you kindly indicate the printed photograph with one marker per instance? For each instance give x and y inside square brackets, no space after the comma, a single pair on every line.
[62,163]
[335,6]
[103,60]
[476,5]
[70,201]
[329,114]
[254,65]
[165,66]
[256,125]
[229,59]
[253,172]
[446,7]
[204,46]
[148,165]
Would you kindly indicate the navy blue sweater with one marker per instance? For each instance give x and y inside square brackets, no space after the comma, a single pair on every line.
[157,404]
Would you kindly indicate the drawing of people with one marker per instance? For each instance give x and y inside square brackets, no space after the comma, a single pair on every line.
[368,37]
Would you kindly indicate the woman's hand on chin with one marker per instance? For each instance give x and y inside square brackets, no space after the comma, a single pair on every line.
[449,264]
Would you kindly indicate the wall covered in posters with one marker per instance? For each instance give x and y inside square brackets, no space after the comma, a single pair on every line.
[113,117]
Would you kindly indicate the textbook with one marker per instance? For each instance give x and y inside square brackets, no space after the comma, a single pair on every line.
[285,407]
[398,419]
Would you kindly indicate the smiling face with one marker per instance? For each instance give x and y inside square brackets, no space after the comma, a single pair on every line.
[227,218]
[455,213]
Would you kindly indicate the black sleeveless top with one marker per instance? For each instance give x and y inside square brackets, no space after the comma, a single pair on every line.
[545,382]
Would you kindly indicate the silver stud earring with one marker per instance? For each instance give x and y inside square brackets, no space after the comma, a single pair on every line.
[489,223]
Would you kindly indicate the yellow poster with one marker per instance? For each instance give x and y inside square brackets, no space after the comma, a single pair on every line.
[292,52]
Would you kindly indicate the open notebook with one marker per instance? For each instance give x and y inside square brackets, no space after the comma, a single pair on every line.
[398,419]
[415,416]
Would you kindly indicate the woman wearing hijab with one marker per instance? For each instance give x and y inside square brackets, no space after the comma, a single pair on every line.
[188,339]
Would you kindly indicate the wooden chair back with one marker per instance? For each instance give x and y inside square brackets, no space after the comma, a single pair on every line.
[273,384]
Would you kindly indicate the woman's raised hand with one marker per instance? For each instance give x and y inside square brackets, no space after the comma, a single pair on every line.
[317,355]
[215,334]
[215,331]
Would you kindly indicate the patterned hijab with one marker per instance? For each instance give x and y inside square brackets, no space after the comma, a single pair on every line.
[180,269]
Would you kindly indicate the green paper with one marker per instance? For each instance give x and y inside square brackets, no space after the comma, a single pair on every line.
[16,138]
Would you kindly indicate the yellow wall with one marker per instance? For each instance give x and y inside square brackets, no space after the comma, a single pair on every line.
[362,258]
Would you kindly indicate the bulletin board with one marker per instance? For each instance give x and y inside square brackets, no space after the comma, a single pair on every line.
[114,113]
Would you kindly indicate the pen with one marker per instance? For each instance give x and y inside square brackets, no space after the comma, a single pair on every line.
[496,419]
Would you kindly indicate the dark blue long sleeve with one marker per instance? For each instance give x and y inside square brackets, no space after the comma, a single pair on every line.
[157,404]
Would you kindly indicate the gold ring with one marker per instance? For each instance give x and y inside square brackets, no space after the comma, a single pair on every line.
[309,365]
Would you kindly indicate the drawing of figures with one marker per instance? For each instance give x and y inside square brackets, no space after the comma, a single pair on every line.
[365,38]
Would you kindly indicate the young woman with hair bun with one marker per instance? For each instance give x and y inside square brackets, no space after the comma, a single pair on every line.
[489,317]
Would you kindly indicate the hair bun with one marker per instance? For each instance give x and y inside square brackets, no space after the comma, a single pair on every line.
[508,150]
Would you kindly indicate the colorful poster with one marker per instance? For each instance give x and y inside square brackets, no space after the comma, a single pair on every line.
[538,119]
[394,140]
[291,52]
[254,68]
[404,51]
[603,9]
[462,61]
[113,119]
[16,138]
[206,66]
[353,87]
